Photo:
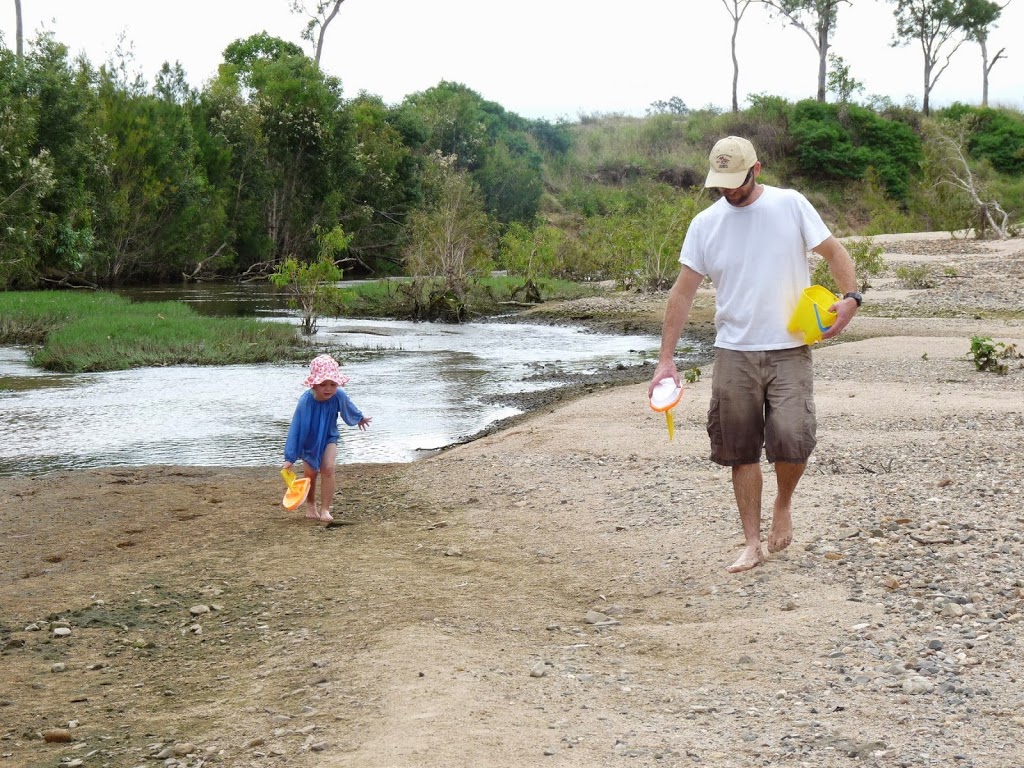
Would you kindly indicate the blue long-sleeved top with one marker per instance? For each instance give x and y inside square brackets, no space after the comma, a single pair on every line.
[315,426]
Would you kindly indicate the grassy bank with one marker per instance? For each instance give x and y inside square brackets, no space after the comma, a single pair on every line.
[101,331]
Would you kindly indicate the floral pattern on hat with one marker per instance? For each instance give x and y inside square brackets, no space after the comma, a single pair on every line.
[325,368]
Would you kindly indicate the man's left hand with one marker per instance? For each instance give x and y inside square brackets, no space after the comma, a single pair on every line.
[845,310]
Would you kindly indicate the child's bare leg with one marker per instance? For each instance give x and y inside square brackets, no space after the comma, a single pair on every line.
[311,512]
[327,462]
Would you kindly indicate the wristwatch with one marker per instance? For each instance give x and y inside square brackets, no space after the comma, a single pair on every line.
[856,296]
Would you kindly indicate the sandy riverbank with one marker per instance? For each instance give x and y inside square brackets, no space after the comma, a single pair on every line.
[555,594]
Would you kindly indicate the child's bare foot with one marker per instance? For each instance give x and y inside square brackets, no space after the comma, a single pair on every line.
[311,512]
[325,516]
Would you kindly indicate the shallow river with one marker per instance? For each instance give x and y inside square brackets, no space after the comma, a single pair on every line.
[425,385]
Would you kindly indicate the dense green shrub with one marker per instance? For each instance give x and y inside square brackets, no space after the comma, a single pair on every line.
[841,142]
[997,136]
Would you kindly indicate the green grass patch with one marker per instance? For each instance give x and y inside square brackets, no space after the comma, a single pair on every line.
[101,331]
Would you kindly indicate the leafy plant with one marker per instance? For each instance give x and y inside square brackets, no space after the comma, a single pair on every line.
[692,375]
[867,262]
[915,276]
[987,354]
[311,285]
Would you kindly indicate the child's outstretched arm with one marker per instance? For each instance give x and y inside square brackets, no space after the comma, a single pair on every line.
[364,423]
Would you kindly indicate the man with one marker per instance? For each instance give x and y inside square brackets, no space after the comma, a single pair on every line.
[753,244]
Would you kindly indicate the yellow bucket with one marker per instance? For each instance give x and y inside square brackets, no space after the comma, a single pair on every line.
[811,316]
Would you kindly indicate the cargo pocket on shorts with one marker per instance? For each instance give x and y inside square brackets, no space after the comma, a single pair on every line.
[715,427]
[811,427]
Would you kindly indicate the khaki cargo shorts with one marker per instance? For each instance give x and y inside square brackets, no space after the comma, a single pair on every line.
[762,400]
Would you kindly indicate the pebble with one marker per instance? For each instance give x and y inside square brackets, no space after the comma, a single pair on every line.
[917,685]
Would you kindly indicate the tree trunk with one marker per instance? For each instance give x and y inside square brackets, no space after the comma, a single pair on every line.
[323,31]
[735,66]
[927,85]
[19,34]
[984,73]
[824,22]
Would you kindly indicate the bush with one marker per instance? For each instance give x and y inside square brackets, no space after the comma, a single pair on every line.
[915,276]
[867,262]
[838,143]
[998,136]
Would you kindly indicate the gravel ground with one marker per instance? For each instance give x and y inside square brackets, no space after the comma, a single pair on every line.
[555,593]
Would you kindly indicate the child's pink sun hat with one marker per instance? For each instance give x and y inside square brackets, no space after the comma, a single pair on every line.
[325,368]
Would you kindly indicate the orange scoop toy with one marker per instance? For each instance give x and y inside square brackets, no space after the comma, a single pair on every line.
[297,490]
[665,397]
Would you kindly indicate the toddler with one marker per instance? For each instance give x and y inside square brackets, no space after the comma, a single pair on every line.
[313,434]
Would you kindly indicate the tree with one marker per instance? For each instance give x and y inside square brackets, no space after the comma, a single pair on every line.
[311,285]
[26,177]
[840,81]
[325,12]
[816,19]
[736,9]
[19,32]
[949,147]
[674,106]
[978,17]
[448,237]
[936,26]
[290,140]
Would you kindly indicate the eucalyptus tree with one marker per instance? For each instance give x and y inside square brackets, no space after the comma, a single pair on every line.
[816,19]
[499,148]
[979,16]
[937,26]
[289,146]
[319,19]
[736,9]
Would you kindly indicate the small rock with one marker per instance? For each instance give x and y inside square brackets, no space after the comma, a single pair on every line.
[62,632]
[199,610]
[57,735]
[917,685]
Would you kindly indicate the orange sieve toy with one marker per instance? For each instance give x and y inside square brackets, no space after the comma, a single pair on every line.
[297,490]
[665,397]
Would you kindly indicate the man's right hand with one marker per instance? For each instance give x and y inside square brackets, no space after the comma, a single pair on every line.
[664,370]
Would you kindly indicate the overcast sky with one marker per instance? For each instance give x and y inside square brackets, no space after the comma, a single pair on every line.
[539,58]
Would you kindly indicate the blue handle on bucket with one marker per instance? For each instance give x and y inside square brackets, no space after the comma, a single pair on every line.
[817,318]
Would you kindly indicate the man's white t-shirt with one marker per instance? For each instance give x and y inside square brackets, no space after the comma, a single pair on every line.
[757,258]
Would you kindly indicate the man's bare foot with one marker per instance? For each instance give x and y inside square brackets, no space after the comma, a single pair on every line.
[325,516]
[751,558]
[781,534]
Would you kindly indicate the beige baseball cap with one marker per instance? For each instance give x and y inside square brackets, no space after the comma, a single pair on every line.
[730,159]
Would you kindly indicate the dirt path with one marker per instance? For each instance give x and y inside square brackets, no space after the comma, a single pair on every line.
[555,594]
